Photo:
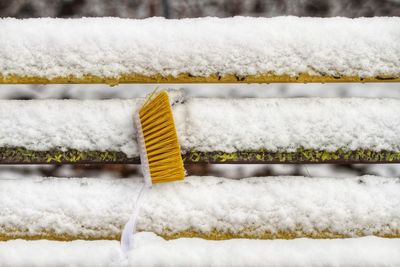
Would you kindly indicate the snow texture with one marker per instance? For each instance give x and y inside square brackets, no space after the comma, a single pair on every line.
[206,124]
[42,253]
[151,250]
[110,47]
[368,251]
[98,208]
[287,124]
[85,125]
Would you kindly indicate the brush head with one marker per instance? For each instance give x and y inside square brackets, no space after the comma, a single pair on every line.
[160,152]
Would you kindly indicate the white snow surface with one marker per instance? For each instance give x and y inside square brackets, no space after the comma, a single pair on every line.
[151,250]
[79,253]
[99,208]
[206,124]
[109,47]
[287,124]
[85,125]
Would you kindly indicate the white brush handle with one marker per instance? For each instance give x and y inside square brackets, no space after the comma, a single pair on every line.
[130,227]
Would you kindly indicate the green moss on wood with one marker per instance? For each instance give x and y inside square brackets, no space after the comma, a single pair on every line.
[58,156]
[19,155]
[300,155]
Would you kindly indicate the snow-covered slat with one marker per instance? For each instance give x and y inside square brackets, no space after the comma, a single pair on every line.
[207,207]
[151,250]
[264,130]
[240,49]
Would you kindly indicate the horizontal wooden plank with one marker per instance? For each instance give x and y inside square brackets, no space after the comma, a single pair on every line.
[20,155]
[208,207]
[213,235]
[187,78]
[249,50]
[152,250]
[243,126]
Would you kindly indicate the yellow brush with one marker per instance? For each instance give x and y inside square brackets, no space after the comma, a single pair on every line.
[160,152]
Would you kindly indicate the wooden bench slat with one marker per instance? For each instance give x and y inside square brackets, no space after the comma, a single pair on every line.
[207,207]
[186,78]
[268,130]
[201,50]
[19,155]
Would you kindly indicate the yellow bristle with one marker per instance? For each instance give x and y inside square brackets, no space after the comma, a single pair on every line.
[161,140]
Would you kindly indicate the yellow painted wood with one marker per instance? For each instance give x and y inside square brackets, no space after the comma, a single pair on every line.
[211,235]
[187,78]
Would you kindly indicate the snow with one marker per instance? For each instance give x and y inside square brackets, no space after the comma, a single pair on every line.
[287,124]
[85,125]
[110,47]
[42,253]
[369,251]
[253,207]
[151,250]
[206,124]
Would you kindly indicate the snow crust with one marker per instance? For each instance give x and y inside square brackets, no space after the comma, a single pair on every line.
[151,250]
[368,251]
[110,47]
[84,125]
[287,124]
[98,208]
[206,124]
[42,253]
